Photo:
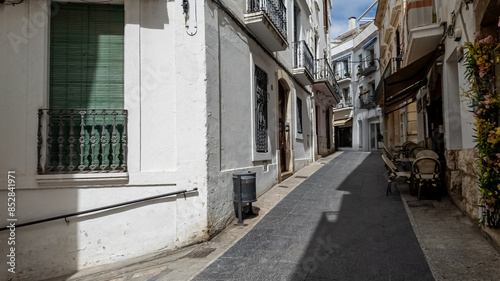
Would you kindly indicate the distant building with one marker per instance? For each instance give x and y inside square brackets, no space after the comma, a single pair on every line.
[357,119]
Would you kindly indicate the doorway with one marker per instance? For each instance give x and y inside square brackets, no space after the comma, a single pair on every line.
[374,132]
[283,128]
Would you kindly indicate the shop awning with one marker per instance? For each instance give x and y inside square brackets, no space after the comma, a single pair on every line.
[403,85]
[343,122]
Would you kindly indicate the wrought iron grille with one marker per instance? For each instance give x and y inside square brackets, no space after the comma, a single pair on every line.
[323,70]
[261,110]
[275,11]
[81,140]
[303,57]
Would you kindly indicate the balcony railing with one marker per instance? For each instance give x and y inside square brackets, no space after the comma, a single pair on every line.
[341,75]
[275,11]
[365,70]
[343,104]
[82,140]
[367,100]
[303,57]
[323,71]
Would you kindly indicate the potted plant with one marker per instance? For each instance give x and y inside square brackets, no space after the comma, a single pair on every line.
[380,140]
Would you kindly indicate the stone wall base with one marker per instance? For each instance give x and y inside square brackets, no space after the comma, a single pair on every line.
[461,180]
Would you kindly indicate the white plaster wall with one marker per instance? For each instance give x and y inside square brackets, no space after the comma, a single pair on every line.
[231,58]
[165,93]
[456,108]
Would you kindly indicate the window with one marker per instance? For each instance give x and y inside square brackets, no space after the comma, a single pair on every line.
[346,95]
[299,115]
[86,123]
[87,56]
[261,110]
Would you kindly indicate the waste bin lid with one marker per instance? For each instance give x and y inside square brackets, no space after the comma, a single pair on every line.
[237,174]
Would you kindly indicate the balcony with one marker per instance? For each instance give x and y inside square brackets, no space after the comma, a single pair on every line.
[82,141]
[343,76]
[423,31]
[369,68]
[303,66]
[388,34]
[267,20]
[324,80]
[367,100]
[343,104]
[395,12]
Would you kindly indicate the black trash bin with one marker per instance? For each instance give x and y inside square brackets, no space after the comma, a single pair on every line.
[244,191]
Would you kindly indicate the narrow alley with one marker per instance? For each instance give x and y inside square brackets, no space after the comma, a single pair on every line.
[337,225]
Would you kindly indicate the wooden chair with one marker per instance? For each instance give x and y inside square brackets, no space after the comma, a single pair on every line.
[414,150]
[392,156]
[394,174]
[426,171]
[407,147]
[427,153]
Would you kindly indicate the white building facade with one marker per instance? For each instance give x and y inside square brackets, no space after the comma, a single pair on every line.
[357,119]
[105,104]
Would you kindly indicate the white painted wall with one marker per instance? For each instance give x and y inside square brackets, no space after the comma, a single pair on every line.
[167,150]
[458,120]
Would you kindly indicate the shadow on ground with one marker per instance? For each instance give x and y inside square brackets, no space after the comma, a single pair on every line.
[337,225]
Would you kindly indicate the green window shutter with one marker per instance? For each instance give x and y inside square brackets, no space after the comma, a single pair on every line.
[87,56]
[86,72]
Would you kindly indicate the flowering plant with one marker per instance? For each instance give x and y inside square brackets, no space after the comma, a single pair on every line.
[480,63]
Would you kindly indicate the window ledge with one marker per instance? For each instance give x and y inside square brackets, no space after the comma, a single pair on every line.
[82,179]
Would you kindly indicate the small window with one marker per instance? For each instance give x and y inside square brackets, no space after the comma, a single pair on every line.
[299,116]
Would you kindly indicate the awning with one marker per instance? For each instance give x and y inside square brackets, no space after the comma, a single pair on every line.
[369,43]
[343,122]
[403,85]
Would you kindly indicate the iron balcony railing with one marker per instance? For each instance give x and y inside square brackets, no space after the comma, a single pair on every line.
[82,140]
[323,71]
[303,57]
[341,75]
[343,104]
[275,11]
[368,66]
[367,100]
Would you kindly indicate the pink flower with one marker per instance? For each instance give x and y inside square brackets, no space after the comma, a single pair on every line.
[477,33]
[482,72]
[488,40]
[498,155]
[479,111]
[487,101]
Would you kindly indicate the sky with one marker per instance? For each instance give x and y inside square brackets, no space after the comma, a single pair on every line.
[344,9]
